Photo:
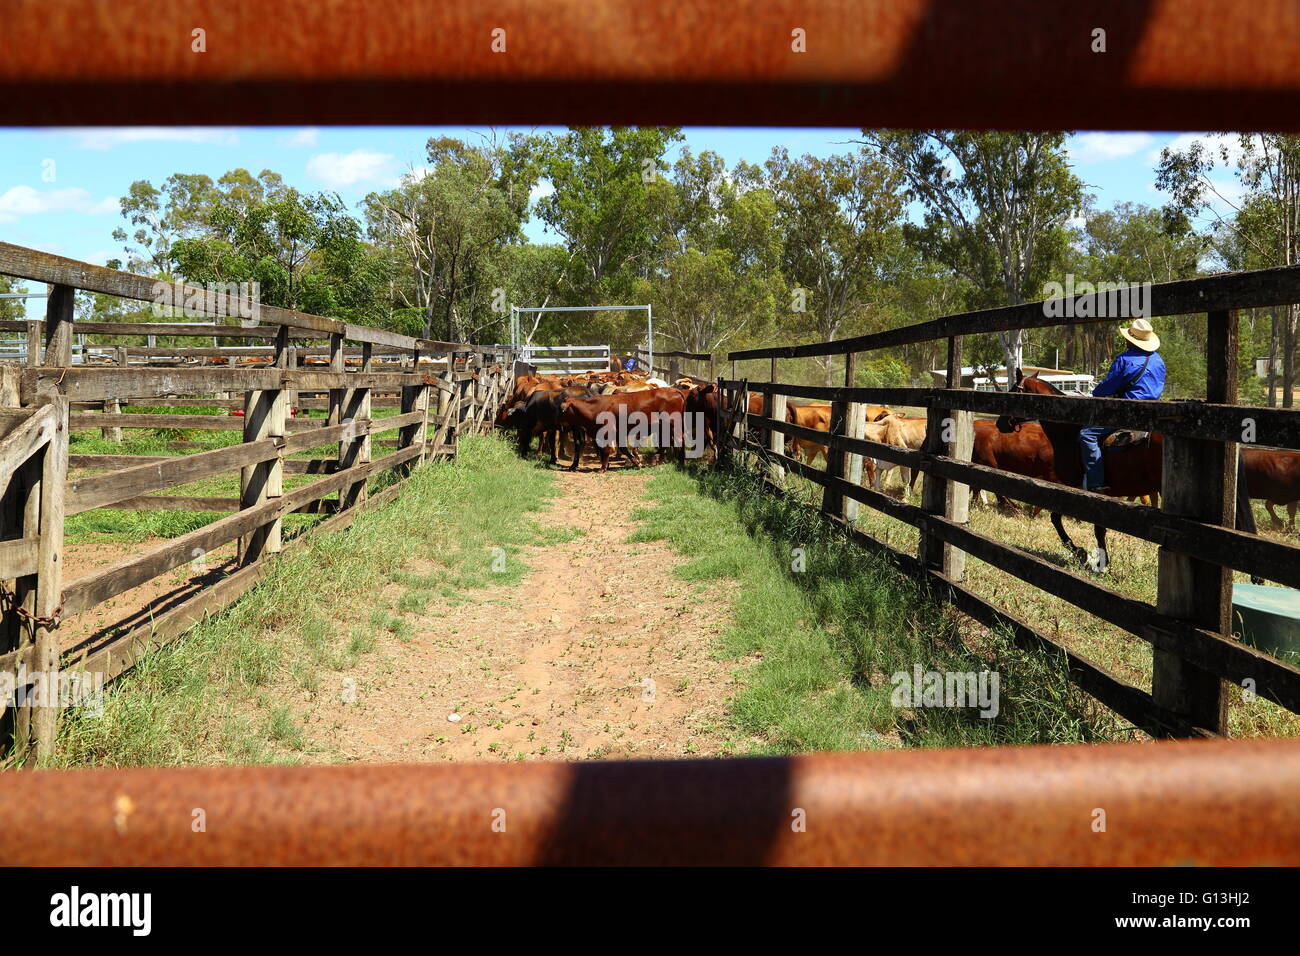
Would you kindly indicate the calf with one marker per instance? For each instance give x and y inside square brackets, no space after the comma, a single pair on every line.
[588,417]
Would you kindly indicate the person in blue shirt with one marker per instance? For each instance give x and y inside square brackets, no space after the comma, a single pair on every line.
[1137,372]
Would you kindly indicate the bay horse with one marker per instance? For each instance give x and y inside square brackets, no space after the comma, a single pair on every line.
[1131,471]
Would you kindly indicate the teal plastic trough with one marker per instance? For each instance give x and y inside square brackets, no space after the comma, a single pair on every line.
[1267,618]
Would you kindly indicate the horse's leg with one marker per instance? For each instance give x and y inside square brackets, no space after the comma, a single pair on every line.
[1277,522]
[1100,561]
[1077,552]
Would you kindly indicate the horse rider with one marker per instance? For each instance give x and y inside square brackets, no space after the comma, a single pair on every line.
[1137,372]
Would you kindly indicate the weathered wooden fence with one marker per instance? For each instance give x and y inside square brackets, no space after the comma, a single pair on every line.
[440,390]
[697,365]
[1189,626]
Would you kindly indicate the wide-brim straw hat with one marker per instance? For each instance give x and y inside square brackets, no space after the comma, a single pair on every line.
[1142,335]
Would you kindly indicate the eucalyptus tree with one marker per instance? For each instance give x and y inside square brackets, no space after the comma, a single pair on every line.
[996,208]
[444,224]
[840,220]
[1263,222]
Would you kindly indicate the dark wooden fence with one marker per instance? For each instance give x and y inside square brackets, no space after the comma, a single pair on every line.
[440,390]
[1189,626]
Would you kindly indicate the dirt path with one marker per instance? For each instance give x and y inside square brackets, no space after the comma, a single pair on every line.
[598,651]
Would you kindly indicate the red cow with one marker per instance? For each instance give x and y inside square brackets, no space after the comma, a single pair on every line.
[587,417]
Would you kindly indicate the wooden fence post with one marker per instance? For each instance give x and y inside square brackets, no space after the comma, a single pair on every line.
[774,406]
[356,408]
[34,507]
[415,398]
[1199,481]
[113,406]
[464,399]
[291,395]
[740,415]
[34,342]
[264,417]
[833,503]
[855,426]
[947,432]
[58,325]
[722,429]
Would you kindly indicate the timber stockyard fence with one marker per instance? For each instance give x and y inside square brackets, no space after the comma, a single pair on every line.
[1190,625]
[440,390]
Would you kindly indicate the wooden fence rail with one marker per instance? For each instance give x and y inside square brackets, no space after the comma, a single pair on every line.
[1189,625]
[439,391]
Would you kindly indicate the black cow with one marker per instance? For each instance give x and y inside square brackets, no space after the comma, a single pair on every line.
[539,414]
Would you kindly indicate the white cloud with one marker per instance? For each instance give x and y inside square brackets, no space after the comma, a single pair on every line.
[26,201]
[108,137]
[1214,142]
[1100,147]
[345,169]
[543,189]
[308,136]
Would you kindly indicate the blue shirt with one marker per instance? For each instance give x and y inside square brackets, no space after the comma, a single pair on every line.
[1119,381]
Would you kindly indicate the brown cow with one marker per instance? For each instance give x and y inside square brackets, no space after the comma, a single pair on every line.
[817,417]
[662,409]
[1273,476]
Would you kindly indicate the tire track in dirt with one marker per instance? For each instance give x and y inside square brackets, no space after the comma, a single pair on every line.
[599,650]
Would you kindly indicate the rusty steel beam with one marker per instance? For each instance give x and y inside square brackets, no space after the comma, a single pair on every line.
[1168,64]
[1209,803]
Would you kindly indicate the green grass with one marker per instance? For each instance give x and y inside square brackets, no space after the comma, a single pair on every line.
[134,527]
[825,641]
[220,693]
[1133,573]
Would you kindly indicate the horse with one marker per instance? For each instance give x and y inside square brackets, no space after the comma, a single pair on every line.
[1133,470]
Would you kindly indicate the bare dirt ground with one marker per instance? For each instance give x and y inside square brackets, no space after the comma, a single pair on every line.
[134,607]
[598,651]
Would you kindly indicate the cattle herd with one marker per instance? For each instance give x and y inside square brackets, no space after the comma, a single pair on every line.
[564,412]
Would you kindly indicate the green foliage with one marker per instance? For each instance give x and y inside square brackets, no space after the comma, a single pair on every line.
[840,219]
[13,310]
[882,373]
[446,231]
[996,208]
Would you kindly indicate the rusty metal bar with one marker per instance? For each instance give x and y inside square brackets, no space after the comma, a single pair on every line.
[1161,64]
[1213,803]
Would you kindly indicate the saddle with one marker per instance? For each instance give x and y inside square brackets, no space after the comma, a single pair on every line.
[1126,438]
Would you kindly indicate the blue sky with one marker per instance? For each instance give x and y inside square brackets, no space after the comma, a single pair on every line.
[59,188]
